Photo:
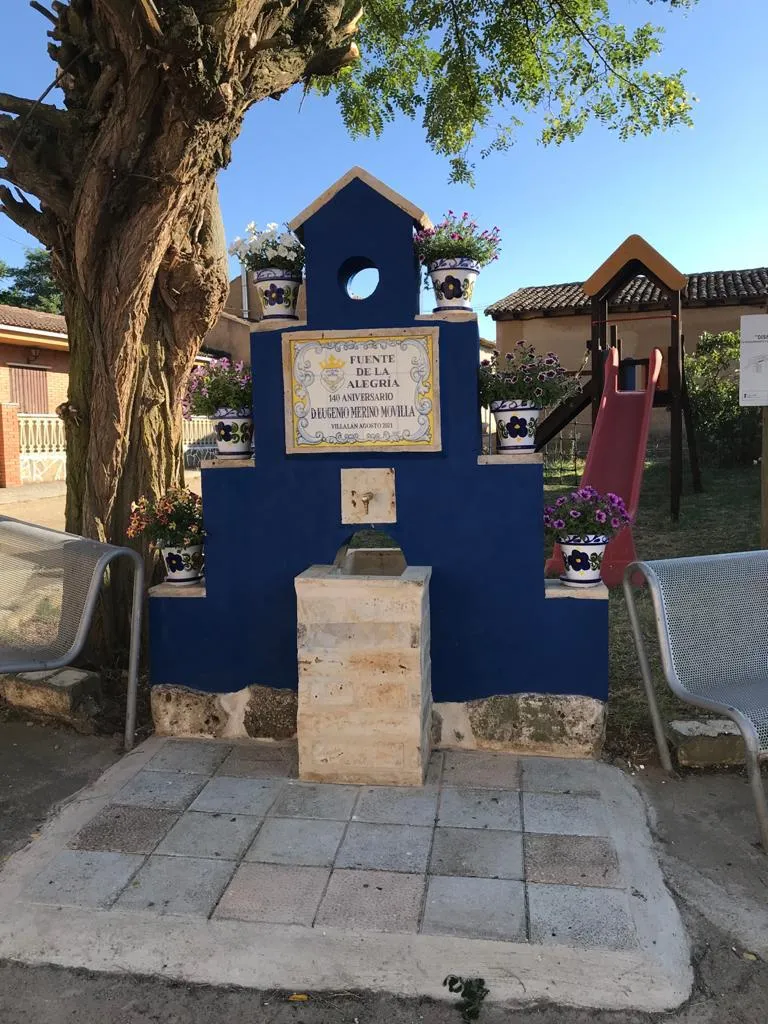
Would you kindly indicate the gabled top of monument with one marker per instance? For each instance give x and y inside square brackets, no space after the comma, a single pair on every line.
[420,219]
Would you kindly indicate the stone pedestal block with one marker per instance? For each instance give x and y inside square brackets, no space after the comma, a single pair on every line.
[365,700]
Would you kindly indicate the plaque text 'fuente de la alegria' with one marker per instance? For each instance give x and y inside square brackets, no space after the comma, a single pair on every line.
[369,390]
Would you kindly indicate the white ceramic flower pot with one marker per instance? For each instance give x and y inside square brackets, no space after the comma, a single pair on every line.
[183,565]
[234,434]
[454,281]
[279,292]
[583,558]
[515,425]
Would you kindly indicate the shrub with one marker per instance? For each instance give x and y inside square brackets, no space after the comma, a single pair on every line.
[586,512]
[269,248]
[727,433]
[525,376]
[454,237]
[217,388]
[174,520]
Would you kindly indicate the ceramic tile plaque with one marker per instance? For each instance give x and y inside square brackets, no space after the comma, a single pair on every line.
[362,390]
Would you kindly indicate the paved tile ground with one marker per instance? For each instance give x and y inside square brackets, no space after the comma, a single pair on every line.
[492,847]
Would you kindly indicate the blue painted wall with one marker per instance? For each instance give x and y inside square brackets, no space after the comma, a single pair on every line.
[479,527]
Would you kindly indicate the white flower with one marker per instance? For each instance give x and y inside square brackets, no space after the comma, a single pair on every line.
[272,228]
[251,228]
[287,240]
[282,250]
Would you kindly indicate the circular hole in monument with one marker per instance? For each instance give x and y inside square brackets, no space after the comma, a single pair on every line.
[359,277]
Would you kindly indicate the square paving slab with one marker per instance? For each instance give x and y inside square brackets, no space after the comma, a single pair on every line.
[379,901]
[316,800]
[177,885]
[311,842]
[119,829]
[484,908]
[171,790]
[274,893]
[192,756]
[479,853]
[385,847]
[207,861]
[571,860]
[480,808]
[216,836]
[564,815]
[574,916]
[79,878]
[396,805]
[481,769]
[238,796]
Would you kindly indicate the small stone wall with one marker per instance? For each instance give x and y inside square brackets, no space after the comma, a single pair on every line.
[550,725]
[365,702]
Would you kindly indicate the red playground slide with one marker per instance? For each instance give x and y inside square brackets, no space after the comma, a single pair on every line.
[616,459]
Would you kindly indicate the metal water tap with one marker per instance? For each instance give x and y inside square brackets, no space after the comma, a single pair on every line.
[364,498]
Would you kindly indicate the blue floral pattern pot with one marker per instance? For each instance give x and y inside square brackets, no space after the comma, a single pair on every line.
[583,558]
[183,565]
[279,292]
[515,425]
[234,433]
[454,282]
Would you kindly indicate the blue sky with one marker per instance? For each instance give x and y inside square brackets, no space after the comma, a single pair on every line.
[698,195]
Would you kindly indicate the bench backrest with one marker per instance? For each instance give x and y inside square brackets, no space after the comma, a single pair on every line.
[714,609]
[49,583]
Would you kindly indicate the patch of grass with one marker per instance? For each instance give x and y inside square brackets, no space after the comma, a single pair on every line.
[725,517]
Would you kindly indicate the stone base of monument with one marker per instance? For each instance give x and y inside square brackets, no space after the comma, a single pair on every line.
[365,703]
[540,724]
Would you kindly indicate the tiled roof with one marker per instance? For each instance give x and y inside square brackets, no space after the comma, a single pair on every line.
[715,288]
[32,319]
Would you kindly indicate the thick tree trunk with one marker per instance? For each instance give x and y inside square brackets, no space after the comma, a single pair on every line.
[139,433]
[125,173]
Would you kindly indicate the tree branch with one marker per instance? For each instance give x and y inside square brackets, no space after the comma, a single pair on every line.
[23,213]
[44,11]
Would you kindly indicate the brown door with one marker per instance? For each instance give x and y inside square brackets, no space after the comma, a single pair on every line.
[29,388]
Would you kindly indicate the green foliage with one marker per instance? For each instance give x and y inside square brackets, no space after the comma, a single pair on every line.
[471,992]
[33,285]
[457,236]
[727,433]
[472,71]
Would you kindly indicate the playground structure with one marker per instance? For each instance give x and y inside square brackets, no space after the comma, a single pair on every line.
[616,458]
[470,623]
[636,257]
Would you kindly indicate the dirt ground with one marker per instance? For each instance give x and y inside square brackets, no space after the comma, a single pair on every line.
[707,843]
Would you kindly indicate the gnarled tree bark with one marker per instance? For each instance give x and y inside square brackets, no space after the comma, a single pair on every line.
[125,178]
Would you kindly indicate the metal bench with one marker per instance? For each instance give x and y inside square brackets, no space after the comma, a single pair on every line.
[712,620]
[49,586]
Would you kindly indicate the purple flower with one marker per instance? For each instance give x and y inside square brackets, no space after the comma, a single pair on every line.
[561,501]
[509,357]
[615,522]
[600,516]
[574,513]
[558,524]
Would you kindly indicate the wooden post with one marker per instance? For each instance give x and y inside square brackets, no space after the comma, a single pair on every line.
[764,484]
[676,408]
[598,346]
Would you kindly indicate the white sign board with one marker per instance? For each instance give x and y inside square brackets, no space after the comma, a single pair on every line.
[361,390]
[753,363]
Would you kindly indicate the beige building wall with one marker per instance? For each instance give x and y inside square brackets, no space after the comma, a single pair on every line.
[232,335]
[568,336]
